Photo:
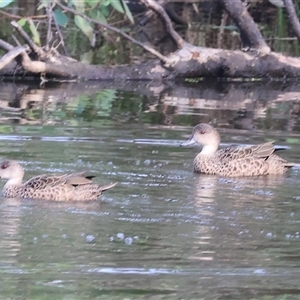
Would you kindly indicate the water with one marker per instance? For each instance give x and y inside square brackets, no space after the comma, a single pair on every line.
[162,232]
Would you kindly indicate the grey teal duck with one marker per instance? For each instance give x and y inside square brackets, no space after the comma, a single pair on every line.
[235,160]
[64,187]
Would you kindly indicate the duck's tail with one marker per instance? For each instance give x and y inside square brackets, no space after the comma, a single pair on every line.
[291,165]
[108,186]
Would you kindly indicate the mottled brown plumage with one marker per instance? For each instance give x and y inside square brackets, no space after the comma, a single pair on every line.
[64,187]
[233,161]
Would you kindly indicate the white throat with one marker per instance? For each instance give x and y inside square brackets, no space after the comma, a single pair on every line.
[13,181]
[209,150]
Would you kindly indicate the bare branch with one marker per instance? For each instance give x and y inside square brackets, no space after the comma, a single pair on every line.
[250,34]
[11,54]
[155,6]
[62,41]
[49,32]
[16,40]
[38,50]
[6,46]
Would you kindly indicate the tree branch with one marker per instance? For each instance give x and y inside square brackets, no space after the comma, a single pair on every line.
[6,46]
[62,41]
[12,53]
[49,19]
[38,50]
[134,41]
[250,34]
[290,8]
[155,6]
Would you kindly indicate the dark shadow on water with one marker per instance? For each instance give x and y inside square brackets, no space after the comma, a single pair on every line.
[247,106]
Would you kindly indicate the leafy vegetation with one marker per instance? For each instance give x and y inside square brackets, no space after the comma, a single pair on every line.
[98,10]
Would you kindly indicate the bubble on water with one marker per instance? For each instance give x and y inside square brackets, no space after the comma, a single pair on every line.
[269,234]
[64,236]
[147,162]
[35,239]
[128,240]
[259,271]
[120,235]
[263,193]
[44,236]
[288,236]
[89,238]
[111,238]
[136,237]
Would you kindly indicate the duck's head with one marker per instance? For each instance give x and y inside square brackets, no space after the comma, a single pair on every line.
[10,169]
[205,135]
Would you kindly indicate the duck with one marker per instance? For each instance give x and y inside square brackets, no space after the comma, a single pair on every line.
[55,187]
[234,160]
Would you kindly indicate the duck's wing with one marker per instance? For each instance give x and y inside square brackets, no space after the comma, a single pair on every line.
[78,179]
[50,180]
[257,151]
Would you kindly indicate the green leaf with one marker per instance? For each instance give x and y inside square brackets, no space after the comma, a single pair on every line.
[86,58]
[117,5]
[6,129]
[104,10]
[128,12]
[106,2]
[43,4]
[34,32]
[98,16]
[79,5]
[4,3]
[92,2]
[85,27]
[22,22]
[60,17]
[122,7]
[292,140]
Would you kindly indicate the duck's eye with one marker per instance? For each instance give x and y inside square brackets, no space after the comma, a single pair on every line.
[4,166]
[202,131]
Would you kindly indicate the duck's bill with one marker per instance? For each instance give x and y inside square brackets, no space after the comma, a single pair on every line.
[189,142]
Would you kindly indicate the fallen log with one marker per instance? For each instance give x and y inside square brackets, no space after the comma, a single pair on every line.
[188,62]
